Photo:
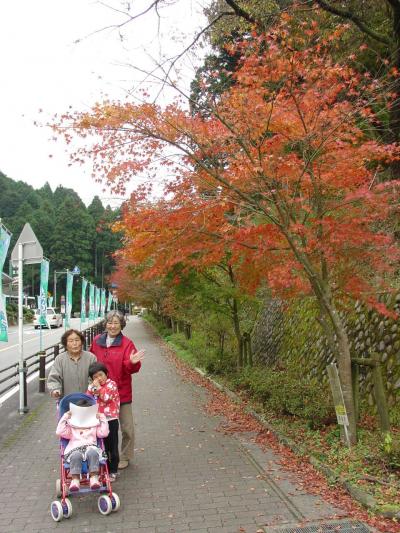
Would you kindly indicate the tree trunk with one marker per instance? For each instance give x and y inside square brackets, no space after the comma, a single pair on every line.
[343,359]
[238,335]
[236,321]
[221,338]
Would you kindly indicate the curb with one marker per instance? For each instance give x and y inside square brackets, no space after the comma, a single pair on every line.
[362,497]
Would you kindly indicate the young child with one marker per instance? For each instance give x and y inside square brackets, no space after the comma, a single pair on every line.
[106,391]
[81,425]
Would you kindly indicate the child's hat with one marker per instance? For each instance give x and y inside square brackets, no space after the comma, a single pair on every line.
[83,417]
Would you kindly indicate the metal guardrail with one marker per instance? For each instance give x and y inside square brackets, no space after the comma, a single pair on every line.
[9,376]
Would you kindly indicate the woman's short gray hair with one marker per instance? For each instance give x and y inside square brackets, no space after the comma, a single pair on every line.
[115,314]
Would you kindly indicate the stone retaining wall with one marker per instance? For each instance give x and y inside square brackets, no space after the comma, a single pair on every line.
[292,331]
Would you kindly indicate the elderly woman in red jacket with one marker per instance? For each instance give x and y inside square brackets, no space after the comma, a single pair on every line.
[121,358]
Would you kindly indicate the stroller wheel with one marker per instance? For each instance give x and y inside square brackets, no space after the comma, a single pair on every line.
[115,501]
[58,488]
[56,510]
[104,504]
[67,508]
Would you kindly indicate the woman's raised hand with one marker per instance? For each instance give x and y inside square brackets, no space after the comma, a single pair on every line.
[137,356]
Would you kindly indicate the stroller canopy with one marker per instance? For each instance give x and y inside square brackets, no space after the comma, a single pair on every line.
[73,398]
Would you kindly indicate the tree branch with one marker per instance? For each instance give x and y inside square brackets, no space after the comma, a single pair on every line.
[356,20]
[241,12]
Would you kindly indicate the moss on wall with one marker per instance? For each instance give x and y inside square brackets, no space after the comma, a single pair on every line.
[292,332]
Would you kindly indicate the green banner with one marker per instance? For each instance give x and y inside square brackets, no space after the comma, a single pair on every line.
[103,303]
[83,300]
[44,282]
[68,305]
[91,302]
[4,244]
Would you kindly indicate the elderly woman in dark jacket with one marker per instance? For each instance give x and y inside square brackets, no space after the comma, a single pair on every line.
[121,358]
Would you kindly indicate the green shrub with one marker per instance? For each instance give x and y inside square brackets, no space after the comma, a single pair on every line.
[159,326]
[28,314]
[390,448]
[12,314]
[285,392]
[205,356]
[395,413]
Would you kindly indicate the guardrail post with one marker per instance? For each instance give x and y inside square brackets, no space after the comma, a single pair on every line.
[42,371]
[25,408]
[56,350]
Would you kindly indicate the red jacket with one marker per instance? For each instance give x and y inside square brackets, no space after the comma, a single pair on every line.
[107,398]
[116,358]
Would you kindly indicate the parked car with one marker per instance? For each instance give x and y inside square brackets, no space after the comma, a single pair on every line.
[54,318]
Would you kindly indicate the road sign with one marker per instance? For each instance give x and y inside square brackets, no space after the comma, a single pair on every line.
[75,271]
[32,249]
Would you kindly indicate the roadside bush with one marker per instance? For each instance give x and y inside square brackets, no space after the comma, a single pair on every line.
[390,449]
[12,314]
[159,326]
[206,356]
[28,315]
[286,392]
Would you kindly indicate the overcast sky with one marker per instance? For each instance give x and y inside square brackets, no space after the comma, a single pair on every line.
[42,67]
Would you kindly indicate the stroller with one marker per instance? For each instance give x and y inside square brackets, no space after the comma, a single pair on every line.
[106,503]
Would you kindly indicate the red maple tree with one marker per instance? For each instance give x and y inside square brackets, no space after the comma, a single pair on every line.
[280,176]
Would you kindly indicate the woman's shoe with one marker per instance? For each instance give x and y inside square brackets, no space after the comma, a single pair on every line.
[123,464]
[94,482]
[113,477]
[74,485]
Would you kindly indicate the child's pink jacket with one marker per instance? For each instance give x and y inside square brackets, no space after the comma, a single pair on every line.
[81,436]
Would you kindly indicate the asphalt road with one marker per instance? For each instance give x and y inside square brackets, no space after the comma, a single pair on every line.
[9,351]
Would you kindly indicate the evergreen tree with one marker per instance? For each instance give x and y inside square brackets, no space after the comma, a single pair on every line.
[70,233]
[73,237]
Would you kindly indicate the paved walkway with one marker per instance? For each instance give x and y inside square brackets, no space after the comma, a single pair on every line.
[186,477]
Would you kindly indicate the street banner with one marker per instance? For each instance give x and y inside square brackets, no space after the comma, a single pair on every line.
[44,282]
[97,305]
[4,244]
[103,302]
[50,301]
[68,305]
[83,300]
[91,302]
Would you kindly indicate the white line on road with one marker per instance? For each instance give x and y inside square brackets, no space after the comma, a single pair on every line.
[29,340]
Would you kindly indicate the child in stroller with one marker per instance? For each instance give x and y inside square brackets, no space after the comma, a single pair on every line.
[83,462]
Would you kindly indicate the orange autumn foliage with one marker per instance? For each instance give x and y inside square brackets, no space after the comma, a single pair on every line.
[279,178]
